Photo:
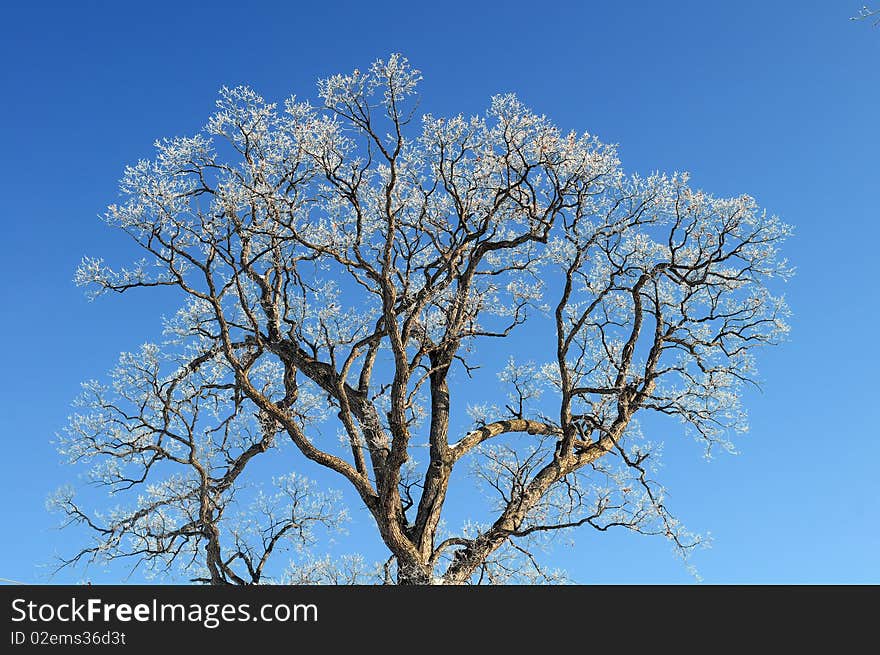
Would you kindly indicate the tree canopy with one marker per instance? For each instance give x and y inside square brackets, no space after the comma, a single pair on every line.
[343,268]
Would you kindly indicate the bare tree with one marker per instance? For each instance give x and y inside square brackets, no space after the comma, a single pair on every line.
[343,268]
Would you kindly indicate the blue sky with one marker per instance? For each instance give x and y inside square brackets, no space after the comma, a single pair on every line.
[776,99]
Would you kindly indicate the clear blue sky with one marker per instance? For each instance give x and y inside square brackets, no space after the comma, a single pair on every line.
[776,99]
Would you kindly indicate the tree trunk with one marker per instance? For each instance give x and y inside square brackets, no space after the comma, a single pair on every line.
[412,573]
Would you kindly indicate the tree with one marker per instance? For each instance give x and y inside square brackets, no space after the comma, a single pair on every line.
[342,267]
